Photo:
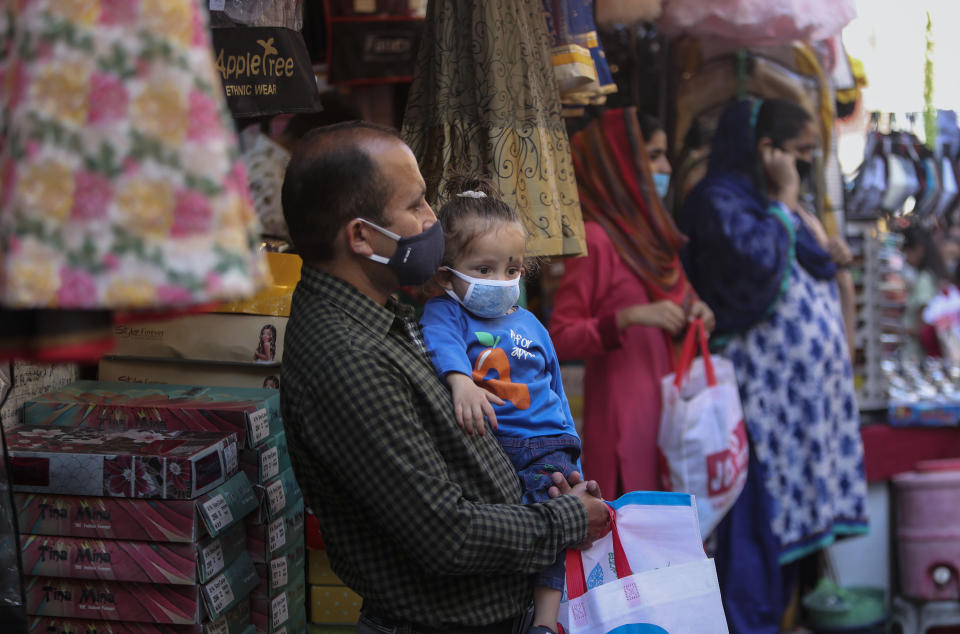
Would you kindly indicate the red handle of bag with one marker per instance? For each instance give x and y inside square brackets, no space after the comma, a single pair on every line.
[696,334]
[577,580]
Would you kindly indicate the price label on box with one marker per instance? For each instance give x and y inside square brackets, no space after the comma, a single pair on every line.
[259,425]
[278,572]
[219,627]
[279,610]
[220,594]
[212,557]
[218,512]
[277,535]
[230,457]
[270,463]
[277,497]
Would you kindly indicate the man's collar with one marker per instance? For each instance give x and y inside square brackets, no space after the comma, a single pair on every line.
[354,303]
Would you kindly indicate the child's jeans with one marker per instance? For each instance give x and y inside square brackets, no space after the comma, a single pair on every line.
[535,460]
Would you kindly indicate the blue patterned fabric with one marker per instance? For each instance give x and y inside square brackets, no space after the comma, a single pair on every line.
[796,386]
[738,251]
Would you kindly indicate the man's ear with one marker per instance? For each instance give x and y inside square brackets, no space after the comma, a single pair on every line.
[356,237]
[444,279]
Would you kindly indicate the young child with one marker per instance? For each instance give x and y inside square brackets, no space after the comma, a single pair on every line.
[497,358]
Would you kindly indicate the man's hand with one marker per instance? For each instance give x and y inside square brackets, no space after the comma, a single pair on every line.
[471,403]
[589,493]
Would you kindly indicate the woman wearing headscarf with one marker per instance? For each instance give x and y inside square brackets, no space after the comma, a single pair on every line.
[767,269]
[617,308]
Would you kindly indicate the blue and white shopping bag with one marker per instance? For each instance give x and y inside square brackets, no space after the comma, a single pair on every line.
[648,575]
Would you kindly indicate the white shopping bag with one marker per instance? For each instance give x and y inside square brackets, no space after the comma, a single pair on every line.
[702,441]
[648,575]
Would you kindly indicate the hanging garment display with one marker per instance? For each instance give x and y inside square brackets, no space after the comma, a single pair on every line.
[583,75]
[121,186]
[758,22]
[611,13]
[476,105]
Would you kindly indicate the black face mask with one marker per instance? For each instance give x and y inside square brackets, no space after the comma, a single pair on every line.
[804,169]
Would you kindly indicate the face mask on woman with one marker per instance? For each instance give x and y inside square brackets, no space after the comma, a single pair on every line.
[662,183]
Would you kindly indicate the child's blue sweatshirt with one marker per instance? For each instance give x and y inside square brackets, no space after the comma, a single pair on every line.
[512,356]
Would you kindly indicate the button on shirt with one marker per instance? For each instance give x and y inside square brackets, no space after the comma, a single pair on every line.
[421,519]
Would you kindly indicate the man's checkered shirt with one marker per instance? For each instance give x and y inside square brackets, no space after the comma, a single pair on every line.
[422,520]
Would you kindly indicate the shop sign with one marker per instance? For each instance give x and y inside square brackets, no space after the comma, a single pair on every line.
[265,71]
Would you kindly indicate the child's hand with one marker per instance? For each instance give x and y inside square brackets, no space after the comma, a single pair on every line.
[471,403]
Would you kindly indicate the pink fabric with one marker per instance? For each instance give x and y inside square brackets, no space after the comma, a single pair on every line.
[623,369]
[758,22]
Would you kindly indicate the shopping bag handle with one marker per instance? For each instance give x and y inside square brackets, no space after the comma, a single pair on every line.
[696,334]
[577,580]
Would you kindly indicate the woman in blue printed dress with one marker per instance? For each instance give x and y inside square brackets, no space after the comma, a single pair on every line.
[767,269]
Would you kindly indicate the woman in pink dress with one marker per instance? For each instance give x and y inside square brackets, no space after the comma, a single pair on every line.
[618,308]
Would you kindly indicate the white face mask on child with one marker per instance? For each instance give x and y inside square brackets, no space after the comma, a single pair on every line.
[487,298]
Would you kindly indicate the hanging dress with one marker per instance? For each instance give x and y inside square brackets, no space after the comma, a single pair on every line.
[485,99]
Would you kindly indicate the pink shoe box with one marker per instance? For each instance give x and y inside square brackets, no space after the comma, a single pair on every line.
[282,570]
[266,461]
[267,541]
[236,620]
[287,609]
[132,464]
[142,602]
[137,519]
[254,413]
[141,562]
[277,496]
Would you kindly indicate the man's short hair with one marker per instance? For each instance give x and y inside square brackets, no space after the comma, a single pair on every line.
[331,179]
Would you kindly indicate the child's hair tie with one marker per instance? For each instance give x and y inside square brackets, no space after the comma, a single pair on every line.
[471,194]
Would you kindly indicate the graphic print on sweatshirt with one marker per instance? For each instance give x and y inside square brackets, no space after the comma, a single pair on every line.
[493,359]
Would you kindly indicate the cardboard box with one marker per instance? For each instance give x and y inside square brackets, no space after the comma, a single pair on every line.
[204,337]
[275,299]
[236,620]
[133,463]
[192,372]
[296,624]
[26,380]
[334,605]
[254,413]
[150,520]
[267,541]
[277,495]
[134,561]
[270,614]
[282,573]
[142,602]
[319,572]
[266,461]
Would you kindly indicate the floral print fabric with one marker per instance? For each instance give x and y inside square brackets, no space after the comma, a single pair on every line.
[798,399]
[120,184]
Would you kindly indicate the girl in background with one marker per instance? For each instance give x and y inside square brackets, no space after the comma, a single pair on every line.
[497,358]
[768,270]
[618,308]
